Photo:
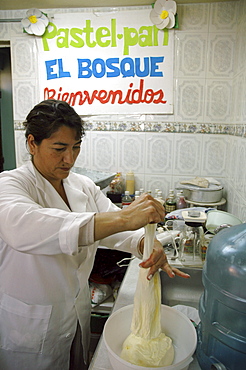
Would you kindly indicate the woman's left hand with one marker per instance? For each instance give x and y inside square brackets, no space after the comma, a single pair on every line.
[158,260]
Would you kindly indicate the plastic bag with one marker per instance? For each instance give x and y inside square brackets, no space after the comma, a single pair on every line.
[99,293]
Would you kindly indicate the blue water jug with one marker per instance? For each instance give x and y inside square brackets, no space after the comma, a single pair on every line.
[222,307]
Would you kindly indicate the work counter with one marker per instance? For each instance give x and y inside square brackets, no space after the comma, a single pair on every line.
[100,360]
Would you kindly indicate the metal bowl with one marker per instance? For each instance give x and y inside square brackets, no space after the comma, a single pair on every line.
[212,194]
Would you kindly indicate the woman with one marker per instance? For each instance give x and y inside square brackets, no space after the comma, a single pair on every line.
[51,222]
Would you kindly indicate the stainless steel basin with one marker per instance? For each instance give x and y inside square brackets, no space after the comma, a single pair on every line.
[100,178]
[182,291]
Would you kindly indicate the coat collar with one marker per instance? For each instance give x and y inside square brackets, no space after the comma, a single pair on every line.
[76,197]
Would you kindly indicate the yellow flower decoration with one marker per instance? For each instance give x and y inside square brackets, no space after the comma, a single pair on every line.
[163,14]
[35,22]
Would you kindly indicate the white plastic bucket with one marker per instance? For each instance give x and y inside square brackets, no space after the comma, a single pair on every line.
[174,324]
[217,218]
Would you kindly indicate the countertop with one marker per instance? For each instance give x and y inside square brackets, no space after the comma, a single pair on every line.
[100,360]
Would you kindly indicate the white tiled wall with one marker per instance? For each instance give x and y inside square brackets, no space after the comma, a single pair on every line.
[206,135]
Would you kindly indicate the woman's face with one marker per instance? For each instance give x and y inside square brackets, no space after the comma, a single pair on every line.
[55,156]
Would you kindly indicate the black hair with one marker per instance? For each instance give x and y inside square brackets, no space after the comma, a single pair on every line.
[48,116]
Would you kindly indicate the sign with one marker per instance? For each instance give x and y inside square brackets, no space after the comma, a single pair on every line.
[107,63]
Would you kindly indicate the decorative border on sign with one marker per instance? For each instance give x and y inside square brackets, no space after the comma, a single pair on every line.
[161,127]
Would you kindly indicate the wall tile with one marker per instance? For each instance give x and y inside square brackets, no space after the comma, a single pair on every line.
[21,152]
[159,153]
[131,151]
[191,54]
[242,211]
[4,31]
[239,96]
[17,13]
[240,168]
[193,17]
[4,14]
[235,163]
[13,28]
[242,10]
[234,111]
[224,16]
[241,47]
[103,151]
[190,100]
[24,58]
[187,154]
[161,182]
[16,30]
[244,97]
[239,165]
[221,55]
[25,97]
[160,117]
[243,172]
[218,102]
[213,160]
[230,159]
[233,202]
[139,181]
[84,157]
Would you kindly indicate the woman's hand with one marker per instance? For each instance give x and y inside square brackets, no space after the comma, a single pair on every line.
[139,213]
[144,210]
[158,260]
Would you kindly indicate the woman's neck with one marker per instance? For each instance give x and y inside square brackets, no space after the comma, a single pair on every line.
[61,191]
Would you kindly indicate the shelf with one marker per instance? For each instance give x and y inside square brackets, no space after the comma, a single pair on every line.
[104,307]
[202,204]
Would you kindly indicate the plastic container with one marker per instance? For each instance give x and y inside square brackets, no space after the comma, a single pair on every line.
[174,324]
[126,199]
[99,293]
[217,218]
[222,309]
[130,182]
[116,185]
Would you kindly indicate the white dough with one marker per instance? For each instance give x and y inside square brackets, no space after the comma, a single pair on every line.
[155,352]
[147,345]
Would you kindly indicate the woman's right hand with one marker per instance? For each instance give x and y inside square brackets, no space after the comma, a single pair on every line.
[142,211]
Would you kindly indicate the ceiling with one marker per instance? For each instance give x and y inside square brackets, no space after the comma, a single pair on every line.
[49,4]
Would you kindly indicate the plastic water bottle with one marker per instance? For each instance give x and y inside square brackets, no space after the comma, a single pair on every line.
[126,199]
[221,332]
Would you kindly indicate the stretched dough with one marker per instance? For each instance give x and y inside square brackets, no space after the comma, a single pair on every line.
[147,345]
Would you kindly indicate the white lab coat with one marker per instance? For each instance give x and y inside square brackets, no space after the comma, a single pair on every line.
[43,272]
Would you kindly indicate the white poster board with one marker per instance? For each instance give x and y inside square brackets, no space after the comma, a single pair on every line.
[107,63]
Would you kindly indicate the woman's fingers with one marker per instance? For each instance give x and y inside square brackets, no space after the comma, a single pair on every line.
[158,260]
[143,211]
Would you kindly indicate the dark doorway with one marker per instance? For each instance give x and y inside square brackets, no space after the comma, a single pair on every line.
[7,141]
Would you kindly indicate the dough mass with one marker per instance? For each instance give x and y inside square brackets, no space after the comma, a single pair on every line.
[154,352]
[146,345]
